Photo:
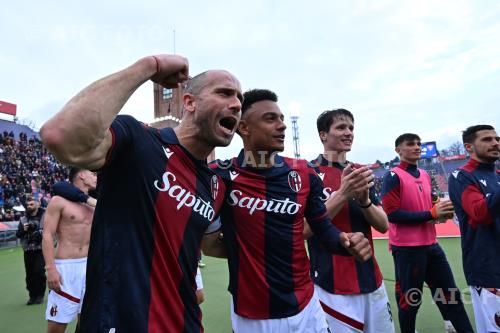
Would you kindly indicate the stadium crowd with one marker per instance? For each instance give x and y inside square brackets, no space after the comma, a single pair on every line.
[26,168]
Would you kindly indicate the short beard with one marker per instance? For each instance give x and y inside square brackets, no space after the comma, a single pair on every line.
[490,160]
[209,137]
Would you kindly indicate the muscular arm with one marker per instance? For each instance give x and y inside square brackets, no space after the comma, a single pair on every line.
[52,217]
[79,134]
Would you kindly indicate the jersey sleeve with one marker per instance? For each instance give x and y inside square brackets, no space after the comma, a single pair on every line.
[69,191]
[391,203]
[124,129]
[465,193]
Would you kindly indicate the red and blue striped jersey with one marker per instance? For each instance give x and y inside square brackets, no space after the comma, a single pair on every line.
[340,274]
[475,193]
[155,203]
[263,221]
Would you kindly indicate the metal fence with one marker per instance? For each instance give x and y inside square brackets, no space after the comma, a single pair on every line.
[8,234]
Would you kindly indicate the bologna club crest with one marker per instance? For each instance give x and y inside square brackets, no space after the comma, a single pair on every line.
[53,310]
[214,187]
[294,181]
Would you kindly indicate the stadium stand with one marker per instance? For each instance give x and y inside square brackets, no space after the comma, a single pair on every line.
[26,168]
[17,129]
[449,166]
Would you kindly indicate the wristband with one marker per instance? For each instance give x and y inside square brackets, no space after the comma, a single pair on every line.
[366,206]
[433,212]
[157,64]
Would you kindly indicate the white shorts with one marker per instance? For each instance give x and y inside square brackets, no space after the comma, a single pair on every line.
[357,313]
[199,280]
[310,320]
[486,306]
[63,307]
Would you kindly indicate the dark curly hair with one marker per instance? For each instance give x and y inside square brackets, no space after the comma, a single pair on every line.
[256,95]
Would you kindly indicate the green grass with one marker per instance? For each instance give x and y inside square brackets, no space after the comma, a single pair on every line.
[16,317]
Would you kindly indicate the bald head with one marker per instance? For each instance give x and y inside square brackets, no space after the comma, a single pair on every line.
[196,84]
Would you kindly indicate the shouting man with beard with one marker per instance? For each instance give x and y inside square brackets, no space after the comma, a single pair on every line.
[157,197]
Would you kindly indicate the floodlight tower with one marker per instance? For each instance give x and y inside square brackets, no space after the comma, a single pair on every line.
[295,111]
[295,131]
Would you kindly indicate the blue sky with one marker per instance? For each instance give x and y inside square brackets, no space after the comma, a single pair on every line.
[429,67]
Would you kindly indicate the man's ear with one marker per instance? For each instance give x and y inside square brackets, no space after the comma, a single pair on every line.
[243,128]
[189,102]
[469,147]
[322,136]
[397,150]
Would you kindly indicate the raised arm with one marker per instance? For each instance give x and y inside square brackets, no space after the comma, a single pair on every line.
[51,222]
[78,134]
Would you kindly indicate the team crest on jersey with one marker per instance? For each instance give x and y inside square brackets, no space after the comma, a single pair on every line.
[53,310]
[214,186]
[497,318]
[294,181]
[420,187]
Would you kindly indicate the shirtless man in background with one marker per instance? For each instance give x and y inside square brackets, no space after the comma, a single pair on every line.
[69,223]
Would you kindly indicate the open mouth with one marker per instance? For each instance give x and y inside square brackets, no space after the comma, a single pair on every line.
[228,123]
[280,137]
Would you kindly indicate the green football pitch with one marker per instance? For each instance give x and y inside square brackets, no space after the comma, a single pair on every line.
[16,317]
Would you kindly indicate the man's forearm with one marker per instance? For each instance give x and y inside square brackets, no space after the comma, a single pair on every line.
[48,250]
[405,217]
[335,203]
[376,217]
[83,123]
